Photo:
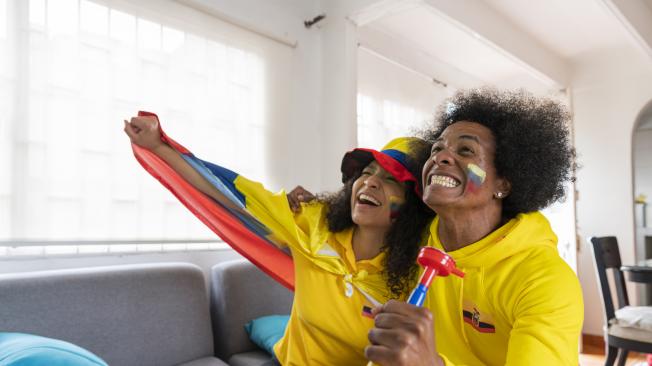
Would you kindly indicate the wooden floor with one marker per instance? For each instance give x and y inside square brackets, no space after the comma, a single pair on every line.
[593,355]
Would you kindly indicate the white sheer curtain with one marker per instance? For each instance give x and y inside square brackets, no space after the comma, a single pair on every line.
[380,120]
[392,101]
[72,70]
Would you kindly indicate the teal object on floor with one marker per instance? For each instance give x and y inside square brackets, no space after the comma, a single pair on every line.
[267,330]
[19,349]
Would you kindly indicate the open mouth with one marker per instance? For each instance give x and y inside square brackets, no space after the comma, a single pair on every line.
[444,181]
[366,199]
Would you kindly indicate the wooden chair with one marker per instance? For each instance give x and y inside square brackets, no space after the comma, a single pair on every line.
[618,339]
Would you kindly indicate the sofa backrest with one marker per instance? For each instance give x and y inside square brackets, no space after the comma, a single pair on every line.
[141,315]
[241,292]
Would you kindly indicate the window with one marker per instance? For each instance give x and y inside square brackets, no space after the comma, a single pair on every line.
[392,101]
[72,70]
[382,120]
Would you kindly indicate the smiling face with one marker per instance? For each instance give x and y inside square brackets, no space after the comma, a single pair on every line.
[461,172]
[376,197]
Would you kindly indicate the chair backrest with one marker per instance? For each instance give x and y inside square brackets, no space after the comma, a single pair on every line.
[606,255]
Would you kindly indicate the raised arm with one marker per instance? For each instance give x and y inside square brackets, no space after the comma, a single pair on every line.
[144,131]
[268,208]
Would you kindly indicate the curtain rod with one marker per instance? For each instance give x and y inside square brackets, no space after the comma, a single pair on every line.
[239,23]
[402,66]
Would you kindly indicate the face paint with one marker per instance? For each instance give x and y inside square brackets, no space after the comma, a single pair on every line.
[476,176]
[395,205]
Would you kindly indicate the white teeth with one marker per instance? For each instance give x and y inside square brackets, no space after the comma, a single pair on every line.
[445,181]
[365,197]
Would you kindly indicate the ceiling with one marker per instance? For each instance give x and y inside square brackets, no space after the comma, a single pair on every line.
[568,28]
[429,31]
[507,43]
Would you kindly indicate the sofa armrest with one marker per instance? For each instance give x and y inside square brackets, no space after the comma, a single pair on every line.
[241,292]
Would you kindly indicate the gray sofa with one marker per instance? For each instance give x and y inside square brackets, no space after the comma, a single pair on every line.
[148,314]
[241,292]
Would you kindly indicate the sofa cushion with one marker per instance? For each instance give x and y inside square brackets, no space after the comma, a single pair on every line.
[634,316]
[206,361]
[267,330]
[140,315]
[253,358]
[19,349]
[636,334]
[241,292]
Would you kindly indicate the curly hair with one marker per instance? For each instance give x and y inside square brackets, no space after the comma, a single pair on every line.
[533,147]
[407,233]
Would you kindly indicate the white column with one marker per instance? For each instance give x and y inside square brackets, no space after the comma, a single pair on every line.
[338,130]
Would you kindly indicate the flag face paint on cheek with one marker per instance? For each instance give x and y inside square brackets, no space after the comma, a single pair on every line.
[395,204]
[476,176]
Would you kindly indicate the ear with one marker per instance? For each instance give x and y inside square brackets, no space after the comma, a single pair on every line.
[503,186]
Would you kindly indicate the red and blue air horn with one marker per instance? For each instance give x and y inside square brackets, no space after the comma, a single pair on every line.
[435,263]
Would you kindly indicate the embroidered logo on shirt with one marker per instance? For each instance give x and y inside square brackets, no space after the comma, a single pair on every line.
[366,311]
[482,322]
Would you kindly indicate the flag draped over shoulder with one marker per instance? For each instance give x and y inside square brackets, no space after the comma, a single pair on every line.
[227,217]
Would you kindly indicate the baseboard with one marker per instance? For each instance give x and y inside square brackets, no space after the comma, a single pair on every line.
[592,343]
[593,340]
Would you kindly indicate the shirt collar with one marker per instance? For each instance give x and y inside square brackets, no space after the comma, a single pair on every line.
[343,244]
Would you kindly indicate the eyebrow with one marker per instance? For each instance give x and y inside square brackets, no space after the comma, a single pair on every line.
[467,137]
[470,137]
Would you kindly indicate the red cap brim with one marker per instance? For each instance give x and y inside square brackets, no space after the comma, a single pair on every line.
[356,159]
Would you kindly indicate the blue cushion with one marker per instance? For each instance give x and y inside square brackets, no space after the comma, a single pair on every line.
[18,349]
[267,330]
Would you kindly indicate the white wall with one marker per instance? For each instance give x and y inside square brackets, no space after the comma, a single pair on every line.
[609,90]
[643,172]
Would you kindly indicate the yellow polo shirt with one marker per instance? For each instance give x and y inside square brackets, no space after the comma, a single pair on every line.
[326,325]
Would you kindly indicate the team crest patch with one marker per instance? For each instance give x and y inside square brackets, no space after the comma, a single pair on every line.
[480,321]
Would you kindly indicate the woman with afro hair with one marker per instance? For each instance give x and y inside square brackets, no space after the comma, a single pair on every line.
[497,159]
[352,250]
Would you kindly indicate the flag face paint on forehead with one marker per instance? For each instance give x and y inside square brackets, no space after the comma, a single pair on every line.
[476,176]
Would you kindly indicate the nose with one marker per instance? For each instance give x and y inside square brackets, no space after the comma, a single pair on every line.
[372,181]
[442,157]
